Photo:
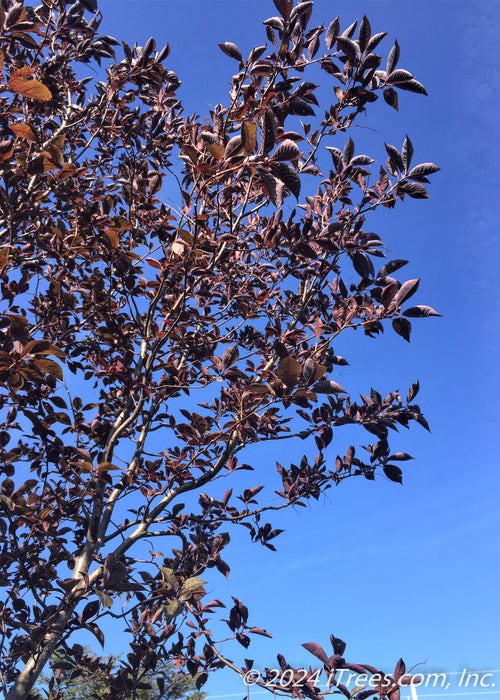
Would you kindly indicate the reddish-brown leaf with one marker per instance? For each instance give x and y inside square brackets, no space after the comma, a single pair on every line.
[29,88]
[289,371]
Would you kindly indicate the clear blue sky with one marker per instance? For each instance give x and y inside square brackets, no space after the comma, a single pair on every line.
[408,571]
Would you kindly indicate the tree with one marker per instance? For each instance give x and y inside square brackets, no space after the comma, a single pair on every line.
[89,680]
[197,329]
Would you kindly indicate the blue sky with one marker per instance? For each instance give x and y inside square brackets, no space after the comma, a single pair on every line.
[395,571]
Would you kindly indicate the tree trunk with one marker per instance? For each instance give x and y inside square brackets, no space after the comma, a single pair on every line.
[35,664]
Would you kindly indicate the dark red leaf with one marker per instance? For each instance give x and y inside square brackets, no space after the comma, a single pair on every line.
[289,371]
[395,156]
[362,264]
[201,679]
[317,651]
[288,176]
[375,41]
[399,76]
[231,50]
[400,670]
[413,86]
[338,645]
[391,267]
[268,132]
[423,169]
[350,30]
[420,311]
[308,370]
[287,150]
[230,356]
[393,58]
[393,473]
[349,47]
[413,189]
[300,108]
[331,33]
[364,34]
[391,97]
[407,152]
[400,457]
[364,694]
[413,391]
[348,152]
[90,610]
[406,291]
[259,630]
[361,160]
[328,386]
[402,327]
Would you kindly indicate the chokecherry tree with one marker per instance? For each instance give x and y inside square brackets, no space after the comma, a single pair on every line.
[145,342]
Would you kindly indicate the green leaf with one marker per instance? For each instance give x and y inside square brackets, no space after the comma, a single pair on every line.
[190,586]
[173,608]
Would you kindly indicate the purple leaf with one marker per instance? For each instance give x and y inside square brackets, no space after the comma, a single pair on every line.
[317,651]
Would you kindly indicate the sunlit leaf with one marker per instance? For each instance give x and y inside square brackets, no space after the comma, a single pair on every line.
[48,367]
[420,311]
[249,135]
[332,33]
[231,50]
[29,88]
[287,150]
[288,176]
[423,169]
[23,131]
[393,58]
[407,152]
[399,76]
[406,291]
[289,370]
[391,267]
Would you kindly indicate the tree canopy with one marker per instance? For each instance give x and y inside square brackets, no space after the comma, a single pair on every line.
[145,342]
[89,679]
